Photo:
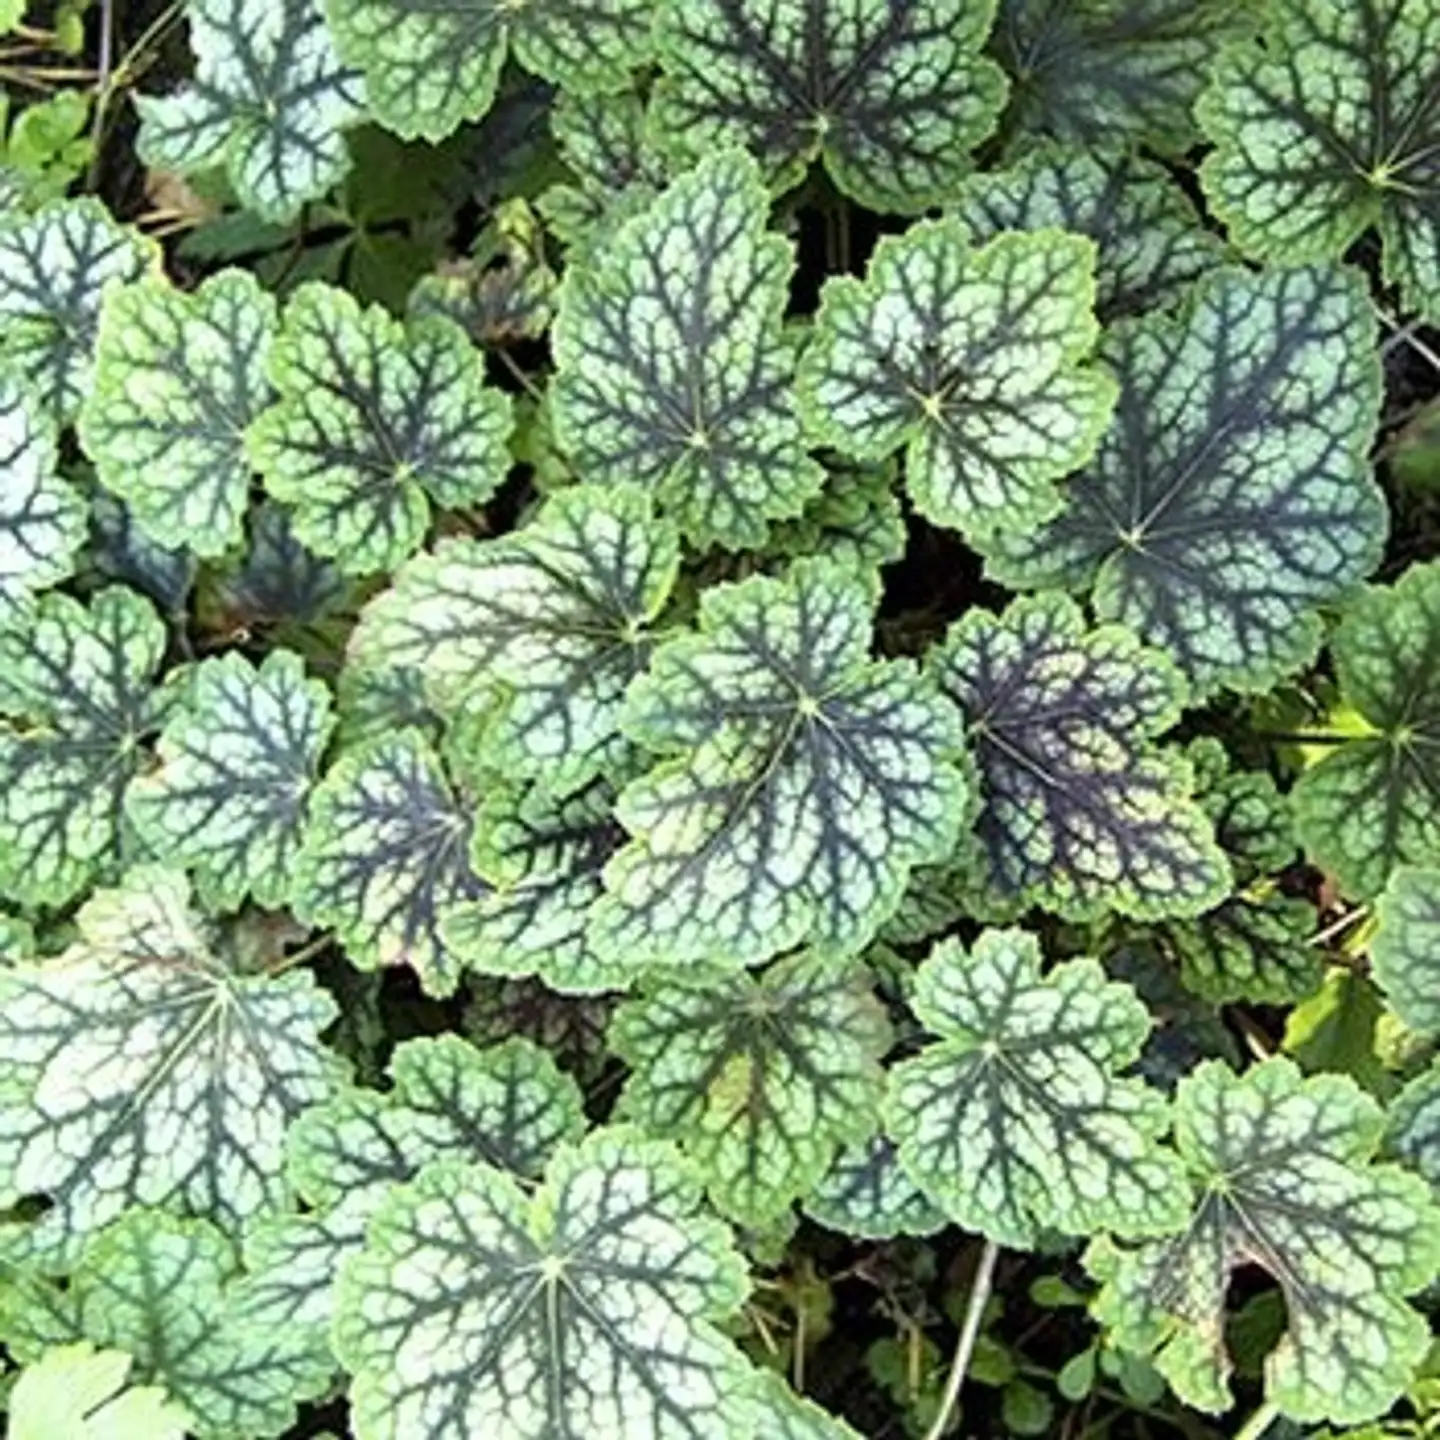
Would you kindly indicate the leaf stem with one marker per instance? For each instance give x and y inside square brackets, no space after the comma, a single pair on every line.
[1260,1422]
[969,1334]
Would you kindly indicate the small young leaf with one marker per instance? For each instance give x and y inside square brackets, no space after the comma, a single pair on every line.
[1405,952]
[894,97]
[1080,813]
[238,761]
[1281,1176]
[803,783]
[672,366]
[80,1393]
[1327,128]
[973,361]
[269,101]
[177,379]
[1233,496]
[588,1308]
[376,420]
[203,1069]
[759,1081]
[1018,1119]
[385,852]
[55,268]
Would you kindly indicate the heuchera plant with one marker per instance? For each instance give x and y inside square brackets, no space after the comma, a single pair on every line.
[719,719]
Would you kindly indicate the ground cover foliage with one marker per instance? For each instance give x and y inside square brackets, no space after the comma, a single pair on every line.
[720,719]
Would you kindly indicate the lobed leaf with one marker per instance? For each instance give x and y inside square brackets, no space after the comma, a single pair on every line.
[866,1193]
[1405,953]
[81,1393]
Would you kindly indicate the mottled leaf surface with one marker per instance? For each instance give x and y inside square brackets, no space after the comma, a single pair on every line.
[1405,953]
[1414,1125]
[866,1193]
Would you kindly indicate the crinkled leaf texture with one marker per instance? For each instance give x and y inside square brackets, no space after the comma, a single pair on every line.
[866,1193]
[430,65]
[587,1309]
[178,378]
[55,268]
[42,517]
[238,760]
[386,851]
[758,1080]
[973,360]
[269,101]
[1282,1178]
[1328,127]
[140,1068]
[542,629]
[673,368]
[1414,1125]
[77,693]
[377,419]
[1405,953]
[1370,802]
[1233,495]
[1080,812]
[802,780]
[80,1393]
[894,97]
[1018,1118]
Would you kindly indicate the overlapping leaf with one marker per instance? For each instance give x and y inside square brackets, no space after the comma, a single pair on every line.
[894,97]
[673,368]
[802,782]
[1080,811]
[376,420]
[1281,1175]
[119,550]
[973,360]
[1233,494]
[867,1193]
[1414,1125]
[855,520]
[269,101]
[76,691]
[54,270]
[586,1309]
[1019,1119]
[1405,952]
[139,1068]
[759,1080]
[1370,803]
[177,380]
[1327,128]
[541,629]
[42,517]
[1150,245]
[238,761]
[385,853]
[430,65]
[82,1393]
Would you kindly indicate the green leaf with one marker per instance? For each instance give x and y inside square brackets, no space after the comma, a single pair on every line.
[543,629]
[81,1393]
[430,66]
[1335,1030]
[866,1193]
[855,520]
[1326,128]
[1405,953]
[673,369]
[1150,244]
[759,1080]
[1414,1125]
[588,1308]
[120,551]
[269,101]
[1281,1177]
[1018,1118]
[803,781]
[893,97]
[1233,495]
[177,379]
[42,517]
[788,1416]
[1370,804]
[156,1287]
[140,1068]
[376,420]
[54,270]
[1098,72]
[238,761]
[543,856]
[385,853]
[973,360]
[1081,813]
[76,685]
